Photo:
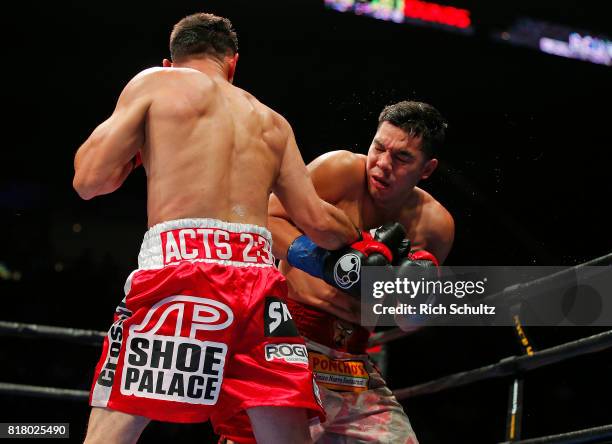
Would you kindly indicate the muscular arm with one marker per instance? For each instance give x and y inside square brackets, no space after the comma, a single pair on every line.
[324,172]
[104,161]
[327,226]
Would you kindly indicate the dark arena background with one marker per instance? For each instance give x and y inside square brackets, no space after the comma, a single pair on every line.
[524,84]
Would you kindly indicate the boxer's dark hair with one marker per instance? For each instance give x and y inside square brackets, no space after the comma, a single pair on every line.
[417,119]
[203,35]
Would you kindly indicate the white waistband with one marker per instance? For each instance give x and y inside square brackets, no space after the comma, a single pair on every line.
[151,254]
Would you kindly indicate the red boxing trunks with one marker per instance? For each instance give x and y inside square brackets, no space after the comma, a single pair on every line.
[204,332]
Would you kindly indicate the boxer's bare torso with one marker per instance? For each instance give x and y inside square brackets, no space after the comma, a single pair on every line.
[211,149]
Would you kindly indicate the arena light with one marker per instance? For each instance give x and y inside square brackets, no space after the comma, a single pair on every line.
[415,12]
[582,47]
[434,13]
[559,40]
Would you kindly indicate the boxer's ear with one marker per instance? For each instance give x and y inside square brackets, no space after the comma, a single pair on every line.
[429,167]
[232,67]
[166,63]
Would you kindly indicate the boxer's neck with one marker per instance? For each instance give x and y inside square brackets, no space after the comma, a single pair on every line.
[212,67]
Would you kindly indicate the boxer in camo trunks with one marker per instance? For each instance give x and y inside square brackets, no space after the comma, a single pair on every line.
[372,190]
[193,338]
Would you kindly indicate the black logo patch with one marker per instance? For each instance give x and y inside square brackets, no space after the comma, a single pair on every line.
[277,319]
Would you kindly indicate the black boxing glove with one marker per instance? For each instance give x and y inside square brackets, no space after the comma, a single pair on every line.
[402,251]
[392,234]
[415,265]
[427,263]
[418,258]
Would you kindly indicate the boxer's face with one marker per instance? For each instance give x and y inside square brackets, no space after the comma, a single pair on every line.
[395,164]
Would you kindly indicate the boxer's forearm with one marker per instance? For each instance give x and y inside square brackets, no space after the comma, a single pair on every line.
[107,157]
[333,229]
[115,180]
[90,181]
[326,225]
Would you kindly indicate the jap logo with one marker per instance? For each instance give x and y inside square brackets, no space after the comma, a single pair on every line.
[346,270]
[167,357]
[184,316]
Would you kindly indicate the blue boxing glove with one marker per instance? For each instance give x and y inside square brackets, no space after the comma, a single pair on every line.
[339,268]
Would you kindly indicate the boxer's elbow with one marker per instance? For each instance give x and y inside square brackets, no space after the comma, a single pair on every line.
[82,181]
[87,182]
[84,187]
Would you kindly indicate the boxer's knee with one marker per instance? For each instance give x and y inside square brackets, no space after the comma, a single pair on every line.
[111,426]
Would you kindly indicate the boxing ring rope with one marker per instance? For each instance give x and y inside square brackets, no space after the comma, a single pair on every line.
[580,436]
[513,365]
[508,366]
[89,337]
[43,392]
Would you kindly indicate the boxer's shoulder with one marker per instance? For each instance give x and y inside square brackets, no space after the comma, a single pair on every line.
[276,130]
[436,226]
[271,117]
[142,83]
[432,212]
[338,174]
[168,76]
[344,164]
[179,84]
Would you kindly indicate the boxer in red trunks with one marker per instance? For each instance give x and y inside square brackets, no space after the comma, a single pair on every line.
[372,190]
[203,331]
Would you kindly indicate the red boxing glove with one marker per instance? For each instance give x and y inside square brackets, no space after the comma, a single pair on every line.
[423,258]
[136,161]
[368,246]
[417,258]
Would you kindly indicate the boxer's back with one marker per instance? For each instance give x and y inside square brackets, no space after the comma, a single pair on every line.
[211,149]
